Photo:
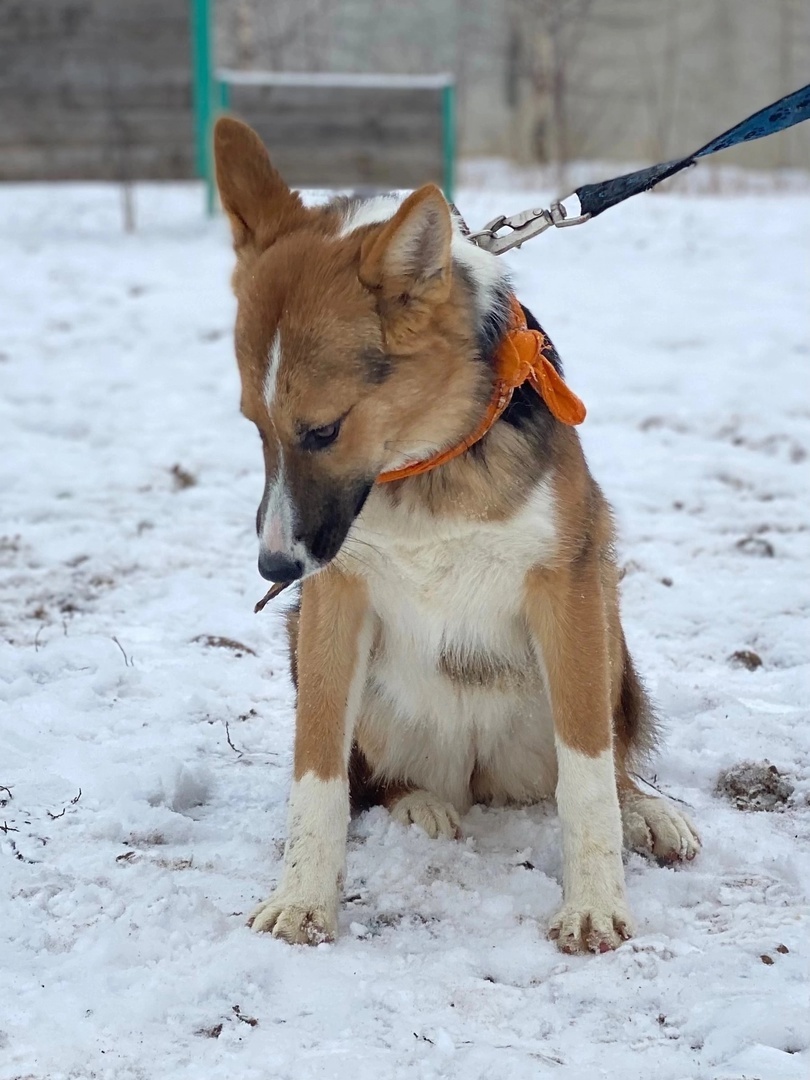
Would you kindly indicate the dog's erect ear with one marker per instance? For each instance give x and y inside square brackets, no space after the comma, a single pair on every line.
[260,206]
[409,257]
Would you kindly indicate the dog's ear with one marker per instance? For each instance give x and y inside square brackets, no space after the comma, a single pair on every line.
[408,259]
[259,205]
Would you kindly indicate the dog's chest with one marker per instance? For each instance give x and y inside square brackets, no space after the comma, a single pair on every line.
[454,680]
[452,582]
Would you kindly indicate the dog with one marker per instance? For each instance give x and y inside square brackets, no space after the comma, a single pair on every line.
[458,637]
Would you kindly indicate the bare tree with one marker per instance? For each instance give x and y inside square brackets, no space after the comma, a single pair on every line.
[547,39]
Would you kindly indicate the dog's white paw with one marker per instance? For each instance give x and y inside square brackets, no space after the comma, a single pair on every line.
[293,919]
[579,928]
[430,813]
[654,827]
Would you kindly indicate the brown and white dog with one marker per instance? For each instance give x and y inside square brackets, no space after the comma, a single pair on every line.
[458,638]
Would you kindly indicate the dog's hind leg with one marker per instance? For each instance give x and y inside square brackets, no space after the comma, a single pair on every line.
[650,825]
[407,804]
[653,826]
[415,806]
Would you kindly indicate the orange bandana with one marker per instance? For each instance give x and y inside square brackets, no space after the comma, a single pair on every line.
[523,356]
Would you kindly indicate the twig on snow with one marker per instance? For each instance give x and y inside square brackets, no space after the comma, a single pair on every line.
[16,851]
[236,750]
[665,794]
[73,801]
[128,662]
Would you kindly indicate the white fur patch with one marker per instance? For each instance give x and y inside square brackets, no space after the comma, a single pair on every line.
[486,272]
[594,915]
[435,817]
[452,586]
[354,698]
[271,375]
[304,907]
[371,212]
[277,535]
[278,526]
[654,827]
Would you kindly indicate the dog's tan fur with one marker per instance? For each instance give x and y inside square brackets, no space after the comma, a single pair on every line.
[327,649]
[375,325]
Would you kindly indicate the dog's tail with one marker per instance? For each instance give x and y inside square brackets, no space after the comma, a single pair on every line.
[635,723]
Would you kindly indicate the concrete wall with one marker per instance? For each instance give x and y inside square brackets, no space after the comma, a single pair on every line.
[384,136]
[652,81]
[95,89]
[102,88]
[644,79]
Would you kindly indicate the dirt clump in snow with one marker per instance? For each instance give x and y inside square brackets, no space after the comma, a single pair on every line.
[754,785]
[746,658]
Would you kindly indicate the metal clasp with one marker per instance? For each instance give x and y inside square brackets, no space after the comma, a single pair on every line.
[524,226]
[562,216]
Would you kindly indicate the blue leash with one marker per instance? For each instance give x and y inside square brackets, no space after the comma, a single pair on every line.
[784,113]
[596,198]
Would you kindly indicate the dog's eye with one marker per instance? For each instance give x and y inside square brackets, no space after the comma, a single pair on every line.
[320,437]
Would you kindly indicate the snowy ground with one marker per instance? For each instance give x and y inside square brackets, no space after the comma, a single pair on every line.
[123,948]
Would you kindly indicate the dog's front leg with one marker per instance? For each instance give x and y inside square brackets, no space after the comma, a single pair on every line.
[567,617]
[334,638]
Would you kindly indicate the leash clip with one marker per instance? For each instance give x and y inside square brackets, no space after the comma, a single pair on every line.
[522,227]
[560,213]
[525,226]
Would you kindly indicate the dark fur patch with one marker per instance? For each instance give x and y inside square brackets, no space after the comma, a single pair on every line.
[635,722]
[364,790]
[325,506]
[261,511]
[377,366]
[483,670]
[494,323]
[330,530]
[492,326]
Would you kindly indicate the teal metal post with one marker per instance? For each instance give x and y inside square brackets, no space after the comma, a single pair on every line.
[203,95]
[224,92]
[449,139]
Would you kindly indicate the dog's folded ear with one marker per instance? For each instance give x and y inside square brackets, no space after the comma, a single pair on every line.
[408,258]
[259,205]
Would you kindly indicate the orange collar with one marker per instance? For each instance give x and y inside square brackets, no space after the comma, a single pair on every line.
[523,356]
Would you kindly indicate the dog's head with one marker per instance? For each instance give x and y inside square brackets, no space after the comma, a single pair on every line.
[355,333]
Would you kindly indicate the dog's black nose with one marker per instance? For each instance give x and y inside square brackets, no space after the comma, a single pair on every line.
[274,566]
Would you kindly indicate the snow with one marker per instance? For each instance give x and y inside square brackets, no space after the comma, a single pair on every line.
[683,322]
